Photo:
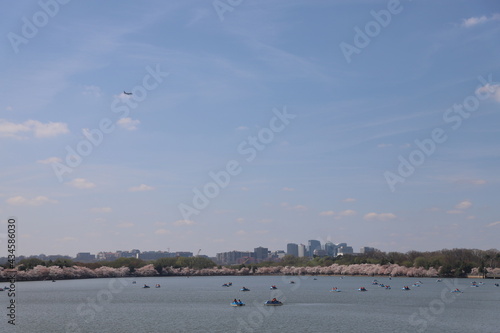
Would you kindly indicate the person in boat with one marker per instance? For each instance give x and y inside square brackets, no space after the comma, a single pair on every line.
[239,301]
[235,301]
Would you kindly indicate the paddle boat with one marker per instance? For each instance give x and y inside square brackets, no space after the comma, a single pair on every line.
[133,282]
[237,303]
[387,287]
[362,289]
[292,282]
[456,291]
[244,289]
[375,282]
[406,288]
[157,285]
[273,287]
[225,285]
[335,289]
[439,280]
[273,302]
[146,286]
[496,285]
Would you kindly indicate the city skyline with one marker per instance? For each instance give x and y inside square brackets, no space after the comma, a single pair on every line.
[188,125]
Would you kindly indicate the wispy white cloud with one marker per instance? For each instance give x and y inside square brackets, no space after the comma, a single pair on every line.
[379,216]
[288,189]
[494,224]
[163,232]
[344,213]
[183,222]
[37,201]
[298,208]
[475,20]
[34,127]
[463,205]
[128,123]
[470,181]
[81,183]
[349,200]
[493,90]
[94,91]
[140,188]
[50,160]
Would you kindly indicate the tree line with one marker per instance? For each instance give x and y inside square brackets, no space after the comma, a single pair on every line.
[448,263]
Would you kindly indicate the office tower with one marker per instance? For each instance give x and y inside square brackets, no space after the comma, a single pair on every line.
[292,249]
[313,245]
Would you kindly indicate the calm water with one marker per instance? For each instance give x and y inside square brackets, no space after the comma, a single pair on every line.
[201,304]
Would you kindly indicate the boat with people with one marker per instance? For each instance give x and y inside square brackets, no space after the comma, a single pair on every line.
[244,289]
[273,302]
[292,282]
[236,302]
[335,289]
[362,289]
[226,285]
[157,285]
[406,288]
[387,287]
[496,285]
[456,291]
[374,282]
[146,286]
[273,287]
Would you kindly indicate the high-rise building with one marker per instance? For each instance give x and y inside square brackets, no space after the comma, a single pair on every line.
[261,253]
[233,257]
[302,250]
[85,256]
[292,249]
[330,249]
[366,249]
[312,245]
[345,250]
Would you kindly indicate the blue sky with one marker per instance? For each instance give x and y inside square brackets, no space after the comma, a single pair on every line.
[313,106]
